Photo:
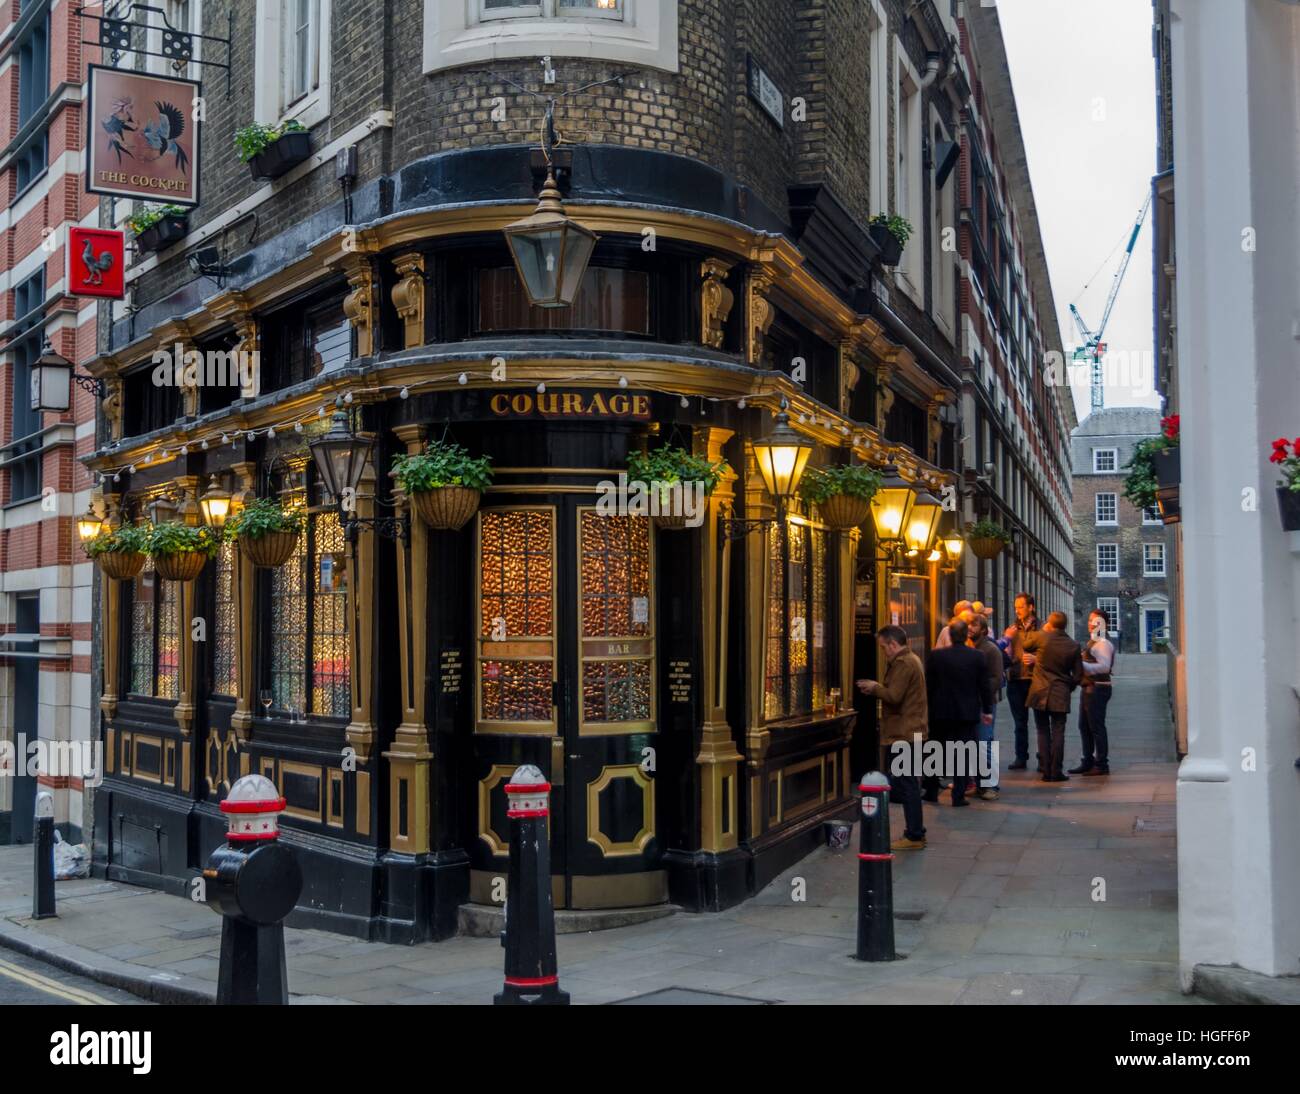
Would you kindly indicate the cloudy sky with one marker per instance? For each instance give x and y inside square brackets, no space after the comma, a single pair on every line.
[1085,89]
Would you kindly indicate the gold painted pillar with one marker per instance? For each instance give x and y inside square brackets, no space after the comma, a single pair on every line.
[186,596]
[110,636]
[361,622]
[849,546]
[243,576]
[410,758]
[718,758]
[758,505]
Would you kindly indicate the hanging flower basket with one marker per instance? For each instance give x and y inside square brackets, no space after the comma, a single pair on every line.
[670,522]
[844,512]
[270,550]
[986,547]
[182,566]
[180,550]
[447,508]
[664,475]
[121,565]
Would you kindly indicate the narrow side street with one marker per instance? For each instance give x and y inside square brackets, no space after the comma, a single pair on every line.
[1003,907]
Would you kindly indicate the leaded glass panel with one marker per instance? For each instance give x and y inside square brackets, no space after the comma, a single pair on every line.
[774,693]
[288,669]
[799,621]
[168,685]
[142,631]
[223,629]
[614,572]
[331,668]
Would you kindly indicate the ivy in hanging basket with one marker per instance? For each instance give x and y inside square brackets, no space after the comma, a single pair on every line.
[987,529]
[662,468]
[172,537]
[150,215]
[819,484]
[441,464]
[255,138]
[265,516]
[130,539]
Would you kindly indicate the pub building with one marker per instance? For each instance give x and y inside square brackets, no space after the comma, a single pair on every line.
[688,692]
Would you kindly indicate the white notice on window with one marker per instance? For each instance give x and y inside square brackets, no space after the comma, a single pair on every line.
[819,634]
[640,609]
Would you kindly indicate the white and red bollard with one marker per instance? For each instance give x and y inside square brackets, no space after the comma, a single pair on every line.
[253,881]
[875,873]
[532,975]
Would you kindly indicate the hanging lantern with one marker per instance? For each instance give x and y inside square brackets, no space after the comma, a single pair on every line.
[215,504]
[782,457]
[923,522]
[550,250]
[89,526]
[953,544]
[891,505]
[162,509]
[340,457]
[51,382]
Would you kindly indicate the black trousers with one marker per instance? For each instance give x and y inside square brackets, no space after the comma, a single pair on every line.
[1051,741]
[1092,725]
[1017,693]
[966,757]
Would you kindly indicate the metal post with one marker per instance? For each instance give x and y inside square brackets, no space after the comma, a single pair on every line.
[875,873]
[43,849]
[532,976]
[253,882]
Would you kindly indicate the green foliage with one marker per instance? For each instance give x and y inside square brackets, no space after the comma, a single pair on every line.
[671,464]
[1140,485]
[128,539]
[150,215]
[854,480]
[174,538]
[987,529]
[442,464]
[264,516]
[256,138]
[898,227]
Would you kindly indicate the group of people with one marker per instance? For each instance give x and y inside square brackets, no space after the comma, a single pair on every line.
[952,700]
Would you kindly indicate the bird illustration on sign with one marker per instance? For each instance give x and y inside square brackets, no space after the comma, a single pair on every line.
[96,264]
[156,139]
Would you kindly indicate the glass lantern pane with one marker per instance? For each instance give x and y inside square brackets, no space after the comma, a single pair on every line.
[538,256]
[578,246]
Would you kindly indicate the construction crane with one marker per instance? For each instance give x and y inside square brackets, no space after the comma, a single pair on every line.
[1093,348]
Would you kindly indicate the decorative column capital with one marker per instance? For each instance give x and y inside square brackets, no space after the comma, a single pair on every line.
[716,301]
[408,296]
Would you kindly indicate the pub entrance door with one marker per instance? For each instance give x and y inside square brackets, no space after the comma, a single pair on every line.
[565,678]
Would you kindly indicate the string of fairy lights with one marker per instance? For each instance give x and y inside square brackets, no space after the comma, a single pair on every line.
[226,435]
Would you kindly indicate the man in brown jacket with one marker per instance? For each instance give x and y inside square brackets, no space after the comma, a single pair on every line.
[903,716]
[1018,679]
[1057,664]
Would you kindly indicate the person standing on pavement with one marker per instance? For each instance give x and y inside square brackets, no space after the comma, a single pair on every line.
[997,665]
[960,697]
[945,638]
[1018,676]
[903,721]
[1057,670]
[1098,662]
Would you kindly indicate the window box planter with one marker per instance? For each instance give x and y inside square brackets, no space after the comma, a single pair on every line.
[1168,467]
[270,550]
[281,156]
[171,229]
[891,250]
[1288,505]
[446,508]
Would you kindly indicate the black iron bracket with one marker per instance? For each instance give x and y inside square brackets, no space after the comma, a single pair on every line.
[177,45]
[738,528]
[93,384]
[394,528]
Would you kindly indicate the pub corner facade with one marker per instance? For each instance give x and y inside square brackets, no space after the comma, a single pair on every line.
[678,687]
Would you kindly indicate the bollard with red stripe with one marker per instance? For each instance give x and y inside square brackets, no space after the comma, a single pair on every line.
[875,873]
[253,881]
[532,975]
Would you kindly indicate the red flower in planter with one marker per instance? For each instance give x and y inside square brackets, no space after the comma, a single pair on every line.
[1279,452]
[1169,427]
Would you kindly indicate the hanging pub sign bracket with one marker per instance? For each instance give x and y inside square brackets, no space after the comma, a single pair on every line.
[177,46]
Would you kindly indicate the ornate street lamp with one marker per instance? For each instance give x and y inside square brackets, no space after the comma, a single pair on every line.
[341,457]
[782,457]
[162,509]
[215,504]
[891,505]
[922,522]
[550,250]
[52,376]
[89,526]
[953,543]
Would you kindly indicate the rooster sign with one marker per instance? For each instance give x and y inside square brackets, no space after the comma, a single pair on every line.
[145,137]
[95,262]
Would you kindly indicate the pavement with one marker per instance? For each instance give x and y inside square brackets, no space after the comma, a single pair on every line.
[1057,893]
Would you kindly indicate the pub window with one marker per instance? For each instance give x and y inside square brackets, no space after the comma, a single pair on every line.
[305,340]
[309,667]
[223,622]
[147,406]
[610,299]
[582,9]
[617,648]
[154,663]
[516,615]
[798,621]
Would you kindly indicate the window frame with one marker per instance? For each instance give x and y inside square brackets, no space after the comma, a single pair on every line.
[909,196]
[804,704]
[155,651]
[270,105]
[1107,573]
[1147,571]
[1114,453]
[1151,515]
[1098,519]
[1104,603]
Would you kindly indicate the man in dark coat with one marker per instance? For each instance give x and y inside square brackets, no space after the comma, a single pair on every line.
[1057,666]
[959,695]
[1018,678]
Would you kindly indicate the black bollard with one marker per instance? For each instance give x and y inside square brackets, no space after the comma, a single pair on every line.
[43,849]
[254,881]
[875,873]
[532,975]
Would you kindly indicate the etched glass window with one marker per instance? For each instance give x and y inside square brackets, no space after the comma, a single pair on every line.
[142,631]
[153,667]
[617,651]
[798,656]
[223,622]
[516,614]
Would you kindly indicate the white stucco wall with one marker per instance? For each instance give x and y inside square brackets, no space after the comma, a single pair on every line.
[1237,146]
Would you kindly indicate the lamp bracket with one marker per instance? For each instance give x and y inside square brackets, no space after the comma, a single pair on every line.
[93,384]
[738,528]
[394,528]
